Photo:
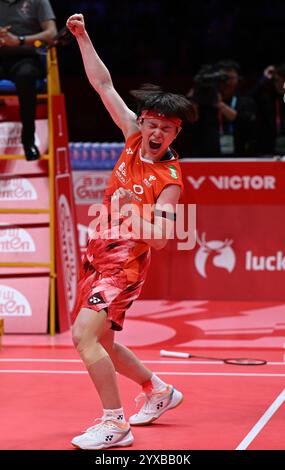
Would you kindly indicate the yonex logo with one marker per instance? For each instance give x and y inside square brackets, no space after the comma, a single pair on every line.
[109,438]
[95,299]
[129,151]
[159,405]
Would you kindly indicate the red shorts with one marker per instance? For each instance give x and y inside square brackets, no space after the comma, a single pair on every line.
[110,291]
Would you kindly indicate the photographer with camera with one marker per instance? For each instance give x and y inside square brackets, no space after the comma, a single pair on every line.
[226,120]
[22,23]
[268,95]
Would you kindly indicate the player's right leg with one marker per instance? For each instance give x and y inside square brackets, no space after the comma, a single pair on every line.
[112,430]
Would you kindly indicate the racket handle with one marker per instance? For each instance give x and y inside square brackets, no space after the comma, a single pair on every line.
[173,354]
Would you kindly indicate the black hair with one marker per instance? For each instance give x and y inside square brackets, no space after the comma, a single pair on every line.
[153,97]
[228,65]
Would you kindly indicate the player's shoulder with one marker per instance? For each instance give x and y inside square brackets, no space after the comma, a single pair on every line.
[134,136]
[132,143]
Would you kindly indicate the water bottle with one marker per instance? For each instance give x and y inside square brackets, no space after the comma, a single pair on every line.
[77,155]
[86,155]
[95,154]
[105,155]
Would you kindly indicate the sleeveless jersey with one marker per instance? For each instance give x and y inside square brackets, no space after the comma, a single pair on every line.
[145,180]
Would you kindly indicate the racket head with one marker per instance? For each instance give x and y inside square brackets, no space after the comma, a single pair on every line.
[245,361]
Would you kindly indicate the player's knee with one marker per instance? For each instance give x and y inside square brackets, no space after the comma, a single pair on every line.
[76,335]
[81,336]
[87,345]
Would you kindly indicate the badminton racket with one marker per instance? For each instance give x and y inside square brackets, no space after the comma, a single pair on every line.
[237,361]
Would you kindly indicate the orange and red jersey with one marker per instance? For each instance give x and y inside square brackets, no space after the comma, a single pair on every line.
[145,180]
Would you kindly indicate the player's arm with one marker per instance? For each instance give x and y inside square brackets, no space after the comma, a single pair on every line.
[165,214]
[158,233]
[100,78]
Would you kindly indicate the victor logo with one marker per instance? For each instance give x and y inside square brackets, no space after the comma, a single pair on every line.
[236,182]
[217,252]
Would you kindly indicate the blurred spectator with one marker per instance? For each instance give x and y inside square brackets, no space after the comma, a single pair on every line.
[268,95]
[22,22]
[226,120]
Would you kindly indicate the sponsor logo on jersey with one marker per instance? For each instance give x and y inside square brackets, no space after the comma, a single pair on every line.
[138,189]
[173,172]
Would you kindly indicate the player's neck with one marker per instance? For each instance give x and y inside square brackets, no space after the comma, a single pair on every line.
[152,158]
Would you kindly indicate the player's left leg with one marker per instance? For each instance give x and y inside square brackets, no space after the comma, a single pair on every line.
[159,396]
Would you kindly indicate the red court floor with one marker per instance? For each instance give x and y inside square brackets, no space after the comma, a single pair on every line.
[47,396]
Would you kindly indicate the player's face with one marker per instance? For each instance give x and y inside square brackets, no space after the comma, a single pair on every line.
[157,135]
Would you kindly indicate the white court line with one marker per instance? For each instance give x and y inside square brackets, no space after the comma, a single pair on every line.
[262,421]
[41,360]
[145,362]
[208,374]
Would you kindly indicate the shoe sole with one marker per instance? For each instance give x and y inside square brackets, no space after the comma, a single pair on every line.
[169,407]
[127,441]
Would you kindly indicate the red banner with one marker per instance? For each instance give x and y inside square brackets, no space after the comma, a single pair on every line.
[239,255]
[66,238]
[240,251]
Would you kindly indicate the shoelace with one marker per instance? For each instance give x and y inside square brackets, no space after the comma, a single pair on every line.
[147,403]
[103,424]
[141,396]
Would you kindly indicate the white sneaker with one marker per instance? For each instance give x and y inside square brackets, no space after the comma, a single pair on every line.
[107,433]
[156,403]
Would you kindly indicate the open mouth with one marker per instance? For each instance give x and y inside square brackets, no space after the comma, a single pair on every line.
[154,145]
